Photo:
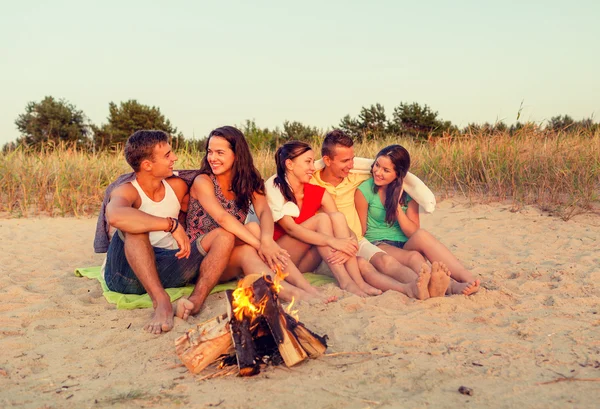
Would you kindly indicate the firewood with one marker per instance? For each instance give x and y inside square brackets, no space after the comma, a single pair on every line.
[199,347]
[245,350]
[315,345]
[289,347]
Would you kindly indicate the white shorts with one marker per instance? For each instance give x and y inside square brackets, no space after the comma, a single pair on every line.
[367,250]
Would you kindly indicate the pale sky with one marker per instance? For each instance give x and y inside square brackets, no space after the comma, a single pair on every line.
[207,64]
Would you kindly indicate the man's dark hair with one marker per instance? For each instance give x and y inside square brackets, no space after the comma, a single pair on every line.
[140,146]
[335,137]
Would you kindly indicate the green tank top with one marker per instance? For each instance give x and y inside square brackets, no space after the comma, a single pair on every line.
[377,227]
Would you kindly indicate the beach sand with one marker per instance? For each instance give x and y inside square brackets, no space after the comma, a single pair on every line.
[535,322]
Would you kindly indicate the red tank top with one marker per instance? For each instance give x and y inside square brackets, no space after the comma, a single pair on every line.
[313,195]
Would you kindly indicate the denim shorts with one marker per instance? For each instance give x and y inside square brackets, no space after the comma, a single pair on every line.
[393,243]
[172,271]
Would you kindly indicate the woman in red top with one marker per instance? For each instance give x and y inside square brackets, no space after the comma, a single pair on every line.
[308,236]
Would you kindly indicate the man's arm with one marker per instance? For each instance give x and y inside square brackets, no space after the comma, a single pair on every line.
[121,214]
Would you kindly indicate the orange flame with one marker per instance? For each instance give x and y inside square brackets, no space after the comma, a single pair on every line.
[279,277]
[292,313]
[244,304]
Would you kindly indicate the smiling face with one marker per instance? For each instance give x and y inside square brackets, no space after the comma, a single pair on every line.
[302,167]
[162,162]
[341,162]
[219,155]
[383,171]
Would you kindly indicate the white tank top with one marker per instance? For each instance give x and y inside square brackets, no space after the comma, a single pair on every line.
[169,206]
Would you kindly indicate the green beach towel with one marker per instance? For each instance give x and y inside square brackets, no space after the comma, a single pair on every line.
[133,301]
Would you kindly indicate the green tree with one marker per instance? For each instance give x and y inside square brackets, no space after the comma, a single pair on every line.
[419,121]
[298,131]
[52,120]
[560,123]
[371,123]
[259,138]
[351,126]
[131,116]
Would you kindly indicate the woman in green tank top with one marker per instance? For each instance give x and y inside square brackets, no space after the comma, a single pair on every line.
[390,219]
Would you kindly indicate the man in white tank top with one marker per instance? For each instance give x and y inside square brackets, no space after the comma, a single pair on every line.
[150,250]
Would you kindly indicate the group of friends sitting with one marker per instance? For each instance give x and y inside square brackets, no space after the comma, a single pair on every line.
[160,230]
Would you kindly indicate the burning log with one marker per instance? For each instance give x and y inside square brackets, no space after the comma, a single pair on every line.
[245,349]
[288,345]
[314,345]
[199,347]
[255,327]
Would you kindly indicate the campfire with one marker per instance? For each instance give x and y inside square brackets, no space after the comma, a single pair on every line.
[255,330]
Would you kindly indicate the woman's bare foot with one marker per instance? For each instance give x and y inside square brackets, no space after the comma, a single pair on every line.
[370,290]
[472,287]
[440,279]
[422,283]
[463,288]
[183,308]
[351,287]
[162,319]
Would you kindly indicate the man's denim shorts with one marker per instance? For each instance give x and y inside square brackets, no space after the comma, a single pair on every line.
[393,243]
[172,271]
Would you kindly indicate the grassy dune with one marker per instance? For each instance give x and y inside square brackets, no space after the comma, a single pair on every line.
[556,171]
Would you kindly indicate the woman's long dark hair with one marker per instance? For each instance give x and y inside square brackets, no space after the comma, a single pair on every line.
[289,150]
[246,179]
[401,160]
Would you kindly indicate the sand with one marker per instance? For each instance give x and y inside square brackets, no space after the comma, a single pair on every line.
[535,322]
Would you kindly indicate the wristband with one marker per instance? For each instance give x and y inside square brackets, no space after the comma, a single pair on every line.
[168,229]
[175,225]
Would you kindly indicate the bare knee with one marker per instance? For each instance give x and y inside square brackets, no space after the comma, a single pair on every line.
[220,239]
[422,237]
[414,257]
[323,222]
[337,218]
[388,262]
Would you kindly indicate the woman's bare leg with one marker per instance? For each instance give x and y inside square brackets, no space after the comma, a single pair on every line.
[244,258]
[292,273]
[342,231]
[311,260]
[411,259]
[415,289]
[320,223]
[425,243]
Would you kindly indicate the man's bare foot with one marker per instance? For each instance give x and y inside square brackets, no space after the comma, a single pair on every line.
[463,288]
[183,308]
[440,279]
[162,319]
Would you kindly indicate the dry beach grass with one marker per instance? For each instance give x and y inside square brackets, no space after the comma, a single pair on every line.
[555,171]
